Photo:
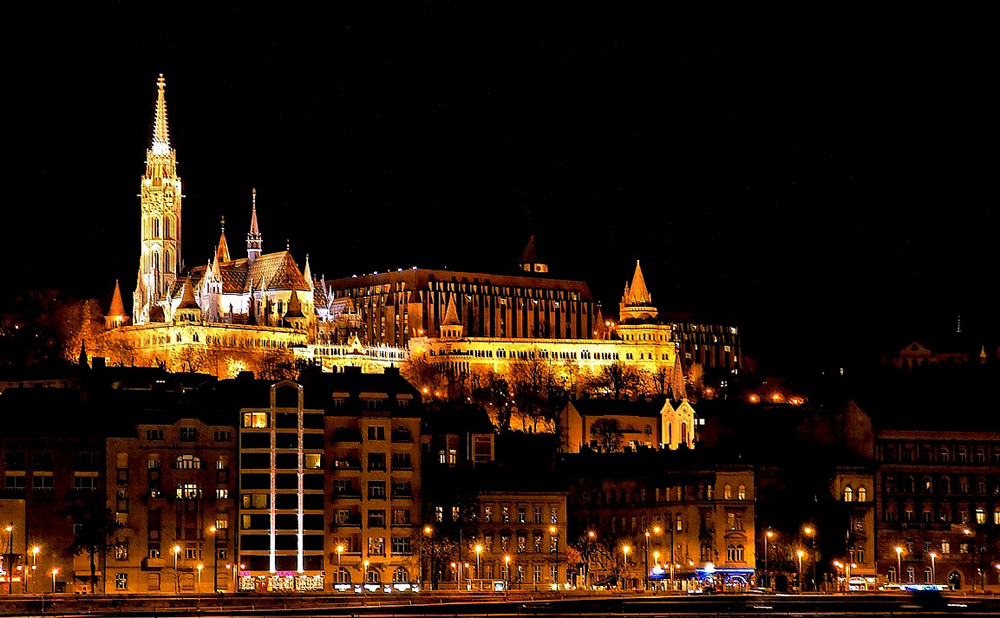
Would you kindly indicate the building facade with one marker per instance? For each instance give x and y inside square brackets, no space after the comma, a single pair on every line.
[373,433]
[685,522]
[282,528]
[938,506]
[172,490]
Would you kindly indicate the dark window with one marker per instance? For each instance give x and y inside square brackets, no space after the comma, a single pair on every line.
[189,434]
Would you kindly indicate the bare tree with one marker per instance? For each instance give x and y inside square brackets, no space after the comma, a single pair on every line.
[192,358]
[427,376]
[659,380]
[121,350]
[495,392]
[608,433]
[277,365]
[618,379]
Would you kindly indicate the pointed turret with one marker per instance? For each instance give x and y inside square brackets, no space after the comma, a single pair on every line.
[637,304]
[638,295]
[188,310]
[222,251]
[308,274]
[451,327]
[678,391]
[83,354]
[116,315]
[294,315]
[253,238]
[530,261]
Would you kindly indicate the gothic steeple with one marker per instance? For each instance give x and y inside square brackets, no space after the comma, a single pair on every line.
[222,251]
[253,238]
[160,227]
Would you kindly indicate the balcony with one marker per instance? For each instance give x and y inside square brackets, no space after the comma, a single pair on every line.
[347,494]
[347,464]
[344,436]
[353,521]
[402,437]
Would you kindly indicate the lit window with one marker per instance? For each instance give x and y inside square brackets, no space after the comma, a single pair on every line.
[848,494]
[256,420]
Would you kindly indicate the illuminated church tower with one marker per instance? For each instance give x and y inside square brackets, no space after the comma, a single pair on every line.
[160,199]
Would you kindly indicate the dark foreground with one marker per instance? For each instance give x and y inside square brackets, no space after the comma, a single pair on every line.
[497,607]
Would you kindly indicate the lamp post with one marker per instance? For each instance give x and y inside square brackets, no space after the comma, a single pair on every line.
[177,579]
[767,574]
[933,567]
[625,550]
[34,565]
[811,533]
[428,532]
[645,556]
[340,550]
[554,533]
[215,560]
[10,554]
[506,573]
[837,564]
[800,553]
[899,565]
[54,573]
[591,537]
[479,577]
[200,567]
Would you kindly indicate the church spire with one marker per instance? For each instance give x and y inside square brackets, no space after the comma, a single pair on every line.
[636,302]
[222,251]
[161,131]
[253,238]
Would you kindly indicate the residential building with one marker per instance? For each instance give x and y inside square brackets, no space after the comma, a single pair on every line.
[938,505]
[282,526]
[373,438]
[172,489]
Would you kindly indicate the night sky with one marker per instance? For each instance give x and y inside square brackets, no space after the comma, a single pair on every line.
[826,181]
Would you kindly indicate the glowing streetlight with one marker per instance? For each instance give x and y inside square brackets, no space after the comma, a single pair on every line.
[200,567]
[767,536]
[800,553]
[54,573]
[899,564]
[479,550]
[656,558]
[933,567]
[625,550]
[340,551]
[506,572]
[177,551]
[215,560]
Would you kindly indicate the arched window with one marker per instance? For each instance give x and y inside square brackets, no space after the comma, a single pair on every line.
[342,576]
[928,485]
[908,485]
[156,228]
[891,575]
[911,575]
[731,553]
[373,577]
[188,462]
[945,485]
[739,553]
[928,575]
[862,494]
[684,433]
[741,492]
[848,494]
[400,576]
[670,433]
[727,492]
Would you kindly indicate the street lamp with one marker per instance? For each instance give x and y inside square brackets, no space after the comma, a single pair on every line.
[54,573]
[625,550]
[767,574]
[200,567]
[811,533]
[340,550]
[591,537]
[428,532]
[479,550]
[10,550]
[177,584]
[645,556]
[838,565]
[899,564]
[800,553]
[215,560]
[34,564]
[554,532]
[506,572]
[933,567]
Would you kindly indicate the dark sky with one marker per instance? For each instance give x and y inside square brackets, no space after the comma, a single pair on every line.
[824,179]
